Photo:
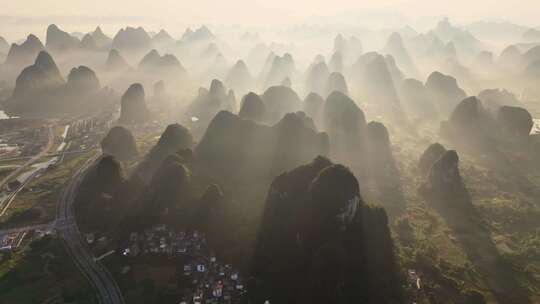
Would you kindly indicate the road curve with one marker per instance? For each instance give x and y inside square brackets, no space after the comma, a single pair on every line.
[66,227]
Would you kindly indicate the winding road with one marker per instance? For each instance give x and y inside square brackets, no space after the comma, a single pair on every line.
[67,229]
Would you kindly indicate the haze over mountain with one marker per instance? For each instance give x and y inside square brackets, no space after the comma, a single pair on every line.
[279,152]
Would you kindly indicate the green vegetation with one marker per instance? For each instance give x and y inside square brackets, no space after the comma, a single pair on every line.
[7,169]
[36,203]
[506,202]
[40,273]
[149,279]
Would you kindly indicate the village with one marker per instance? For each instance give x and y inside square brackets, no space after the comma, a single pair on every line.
[204,278]
[14,239]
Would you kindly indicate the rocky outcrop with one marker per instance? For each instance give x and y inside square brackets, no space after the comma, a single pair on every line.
[345,124]
[153,62]
[108,175]
[115,62]
[466,44]
[280,100]
[150,60]
[42,76]
[280,68]
[375,79]
[133,108]
[467,112]
[82,80]
[493,99]
[245,149]
[26,52]
[159,89]
[532,71]
[120,143]
[169,187]
[349,48]
[102,181]
[200,34]
[515,122]
[297,140]
[378,139]
[510,57]
[331,235]
[208,215]
[4,46]
[336,82]
[313,107]
[100,38]
[252,107]
[432,154]
[162,39]
[88,43]
[41,90]
[58,40]
[382,173]
[470,126]
[211,51]
[230,141]
[415,99]
[216,68]
[445,191]
[239,78]
[444,179]
[395,72]
[132,39]
[380,149]
[175,138]
[530,56]
[207,104]
[532,35]
[336,62]
[444,91]
[317,78]
[396,48]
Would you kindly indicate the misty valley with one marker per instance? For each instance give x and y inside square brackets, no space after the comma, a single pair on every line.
[301,164]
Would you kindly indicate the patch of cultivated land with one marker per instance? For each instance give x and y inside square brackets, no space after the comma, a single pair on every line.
[36,203]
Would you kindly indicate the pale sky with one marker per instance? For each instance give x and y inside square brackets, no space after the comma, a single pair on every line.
[273,12]
[236,10]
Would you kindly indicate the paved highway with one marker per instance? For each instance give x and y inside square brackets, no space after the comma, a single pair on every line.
[66,226]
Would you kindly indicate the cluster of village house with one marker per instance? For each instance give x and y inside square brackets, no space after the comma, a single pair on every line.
[88,132]
[12,241]
[204,278]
